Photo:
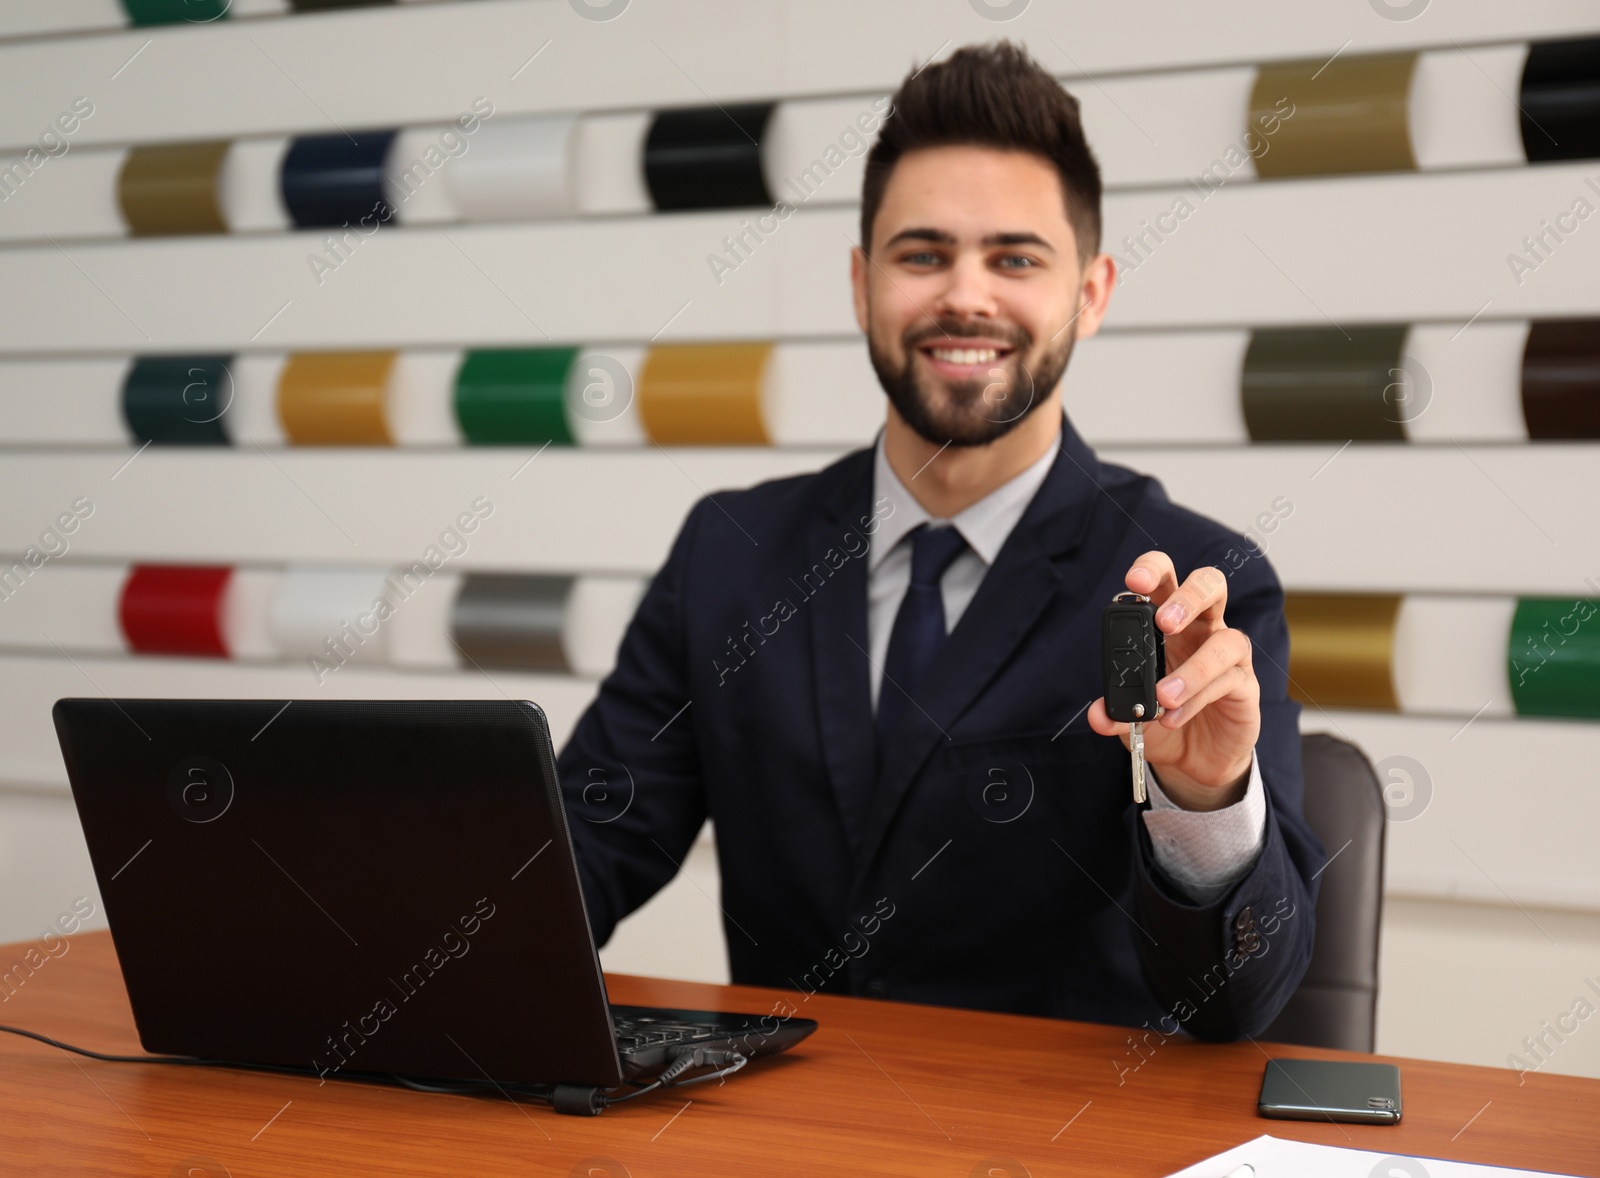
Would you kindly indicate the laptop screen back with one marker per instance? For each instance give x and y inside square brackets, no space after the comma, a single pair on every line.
[345,886]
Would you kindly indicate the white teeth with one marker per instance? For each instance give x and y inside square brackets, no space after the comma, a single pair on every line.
[966,355]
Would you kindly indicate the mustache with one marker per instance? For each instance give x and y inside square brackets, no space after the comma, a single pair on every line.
[1016,338]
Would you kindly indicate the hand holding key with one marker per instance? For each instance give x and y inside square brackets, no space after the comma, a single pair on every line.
[1201,743]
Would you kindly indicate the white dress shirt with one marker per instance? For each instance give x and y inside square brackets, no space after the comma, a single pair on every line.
[1203,853]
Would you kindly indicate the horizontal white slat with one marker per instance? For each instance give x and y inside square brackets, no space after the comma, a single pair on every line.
[1435,519]
[422,64]
[73,195]
[61,608]
[29,686]
[1242,256]
[1482,833]
[1498,811]
[63,401]
[1143,387]
[1450,655]
[1458,385]
[1305,251]
[1146,130]
[248,194]
[63,16]
[538,167]
[1450,652]
[419,404]
[602,397]
[247,613]
[1466,385]
[318,609]
[81,16]
[318,617]
[1384,518]
[821,393]
[1463,110]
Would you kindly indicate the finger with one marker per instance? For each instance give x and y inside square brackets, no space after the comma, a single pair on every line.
[1217,655]
[1153,576]
[1204,594]
[1236,683]
[1100,722]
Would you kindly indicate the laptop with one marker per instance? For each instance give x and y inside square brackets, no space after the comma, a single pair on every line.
[366,889]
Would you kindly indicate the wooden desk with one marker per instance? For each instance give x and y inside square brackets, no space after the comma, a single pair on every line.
[881,1088]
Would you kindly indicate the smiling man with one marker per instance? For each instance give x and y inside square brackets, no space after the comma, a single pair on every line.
[881,681]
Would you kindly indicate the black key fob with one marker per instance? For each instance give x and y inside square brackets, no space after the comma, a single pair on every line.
[1133,656]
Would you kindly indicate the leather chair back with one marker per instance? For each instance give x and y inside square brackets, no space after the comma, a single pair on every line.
[1337,1002]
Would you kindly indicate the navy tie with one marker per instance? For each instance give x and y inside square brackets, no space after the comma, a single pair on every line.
[919,628]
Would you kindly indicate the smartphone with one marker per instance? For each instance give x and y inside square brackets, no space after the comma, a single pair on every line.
[1330,1090]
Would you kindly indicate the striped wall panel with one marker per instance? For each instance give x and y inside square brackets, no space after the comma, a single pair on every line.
[433,55]
[1337,517]
[1466,656]
[794,394]
[82,16]
[322,617]
[1501,381]
[1445,244]
[1428,655]
[30,755]
[1473,824]
[1469,806]
[265,353]
[1445,109]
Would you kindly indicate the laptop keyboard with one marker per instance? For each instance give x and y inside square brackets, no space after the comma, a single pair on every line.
[640,1034]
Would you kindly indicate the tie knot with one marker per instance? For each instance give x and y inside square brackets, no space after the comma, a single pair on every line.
[932,550]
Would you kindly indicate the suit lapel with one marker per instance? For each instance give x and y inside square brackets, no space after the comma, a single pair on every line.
[838,649]
[1020,585]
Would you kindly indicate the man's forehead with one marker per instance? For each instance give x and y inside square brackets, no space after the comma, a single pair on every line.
[965,195]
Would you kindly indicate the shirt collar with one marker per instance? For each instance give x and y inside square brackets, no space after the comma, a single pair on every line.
[984,525]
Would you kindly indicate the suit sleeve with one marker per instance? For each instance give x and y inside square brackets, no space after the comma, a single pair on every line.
[1225,969]
[630,773]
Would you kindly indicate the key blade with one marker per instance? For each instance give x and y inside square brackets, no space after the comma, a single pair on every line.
[1137,751]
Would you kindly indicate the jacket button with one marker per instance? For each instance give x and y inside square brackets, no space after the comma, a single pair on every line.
[876,988]
[1245,920]
[1250,942]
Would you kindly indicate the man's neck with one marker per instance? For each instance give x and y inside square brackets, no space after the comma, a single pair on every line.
[948,480]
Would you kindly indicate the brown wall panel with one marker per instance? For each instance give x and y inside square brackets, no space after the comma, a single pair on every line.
[1341,648]
[1308,384]
[1561,379]
[704,394]
[1349,115]
[335,398]
[170,189]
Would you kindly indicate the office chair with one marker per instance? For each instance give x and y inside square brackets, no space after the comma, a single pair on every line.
[1337,1002]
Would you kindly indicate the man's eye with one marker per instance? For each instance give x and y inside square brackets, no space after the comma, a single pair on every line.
[1017,262]
[922,258]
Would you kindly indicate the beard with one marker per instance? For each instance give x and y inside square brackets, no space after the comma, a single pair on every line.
[970,412]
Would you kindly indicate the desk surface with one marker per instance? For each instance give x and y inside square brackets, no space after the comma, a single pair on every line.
[881,1088]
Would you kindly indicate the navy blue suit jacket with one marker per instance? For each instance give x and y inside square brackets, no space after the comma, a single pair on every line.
[996,860]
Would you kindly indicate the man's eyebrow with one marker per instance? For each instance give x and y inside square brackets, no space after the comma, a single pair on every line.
[941,237]
[1022,238]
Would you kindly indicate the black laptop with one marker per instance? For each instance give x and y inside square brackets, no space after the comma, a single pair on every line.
[367,889]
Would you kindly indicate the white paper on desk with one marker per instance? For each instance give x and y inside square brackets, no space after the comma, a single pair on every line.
[1275,1158]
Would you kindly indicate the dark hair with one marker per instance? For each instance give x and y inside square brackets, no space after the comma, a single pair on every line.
[989,96]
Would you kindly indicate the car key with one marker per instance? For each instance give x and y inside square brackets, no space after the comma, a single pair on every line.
[1133,657]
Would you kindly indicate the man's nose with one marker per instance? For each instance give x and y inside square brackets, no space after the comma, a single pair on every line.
[968,291]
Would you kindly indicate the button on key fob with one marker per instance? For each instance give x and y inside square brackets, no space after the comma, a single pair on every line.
[1133,658]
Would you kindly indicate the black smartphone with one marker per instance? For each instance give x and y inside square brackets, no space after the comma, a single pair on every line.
[1330,1090]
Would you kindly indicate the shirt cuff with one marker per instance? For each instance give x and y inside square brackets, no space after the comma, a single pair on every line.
[1204,852]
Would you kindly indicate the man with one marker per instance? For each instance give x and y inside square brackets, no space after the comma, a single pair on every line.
[881,680]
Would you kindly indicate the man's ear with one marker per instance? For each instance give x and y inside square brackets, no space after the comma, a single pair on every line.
[1094,293]
[858,285]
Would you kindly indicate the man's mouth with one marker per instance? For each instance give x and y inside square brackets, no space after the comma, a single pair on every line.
[962,362]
